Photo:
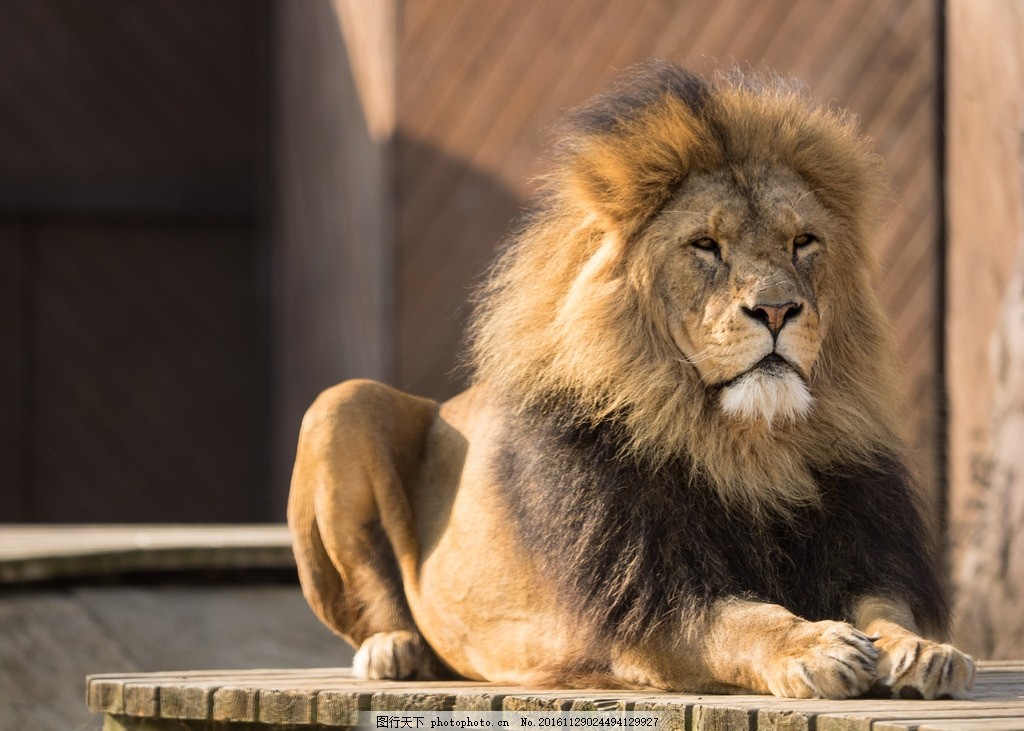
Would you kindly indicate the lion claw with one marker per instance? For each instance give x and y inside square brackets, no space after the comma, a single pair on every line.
[840,662]
[912,667]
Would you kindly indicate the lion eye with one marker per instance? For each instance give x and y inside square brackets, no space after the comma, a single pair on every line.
[708,244]
[804,244]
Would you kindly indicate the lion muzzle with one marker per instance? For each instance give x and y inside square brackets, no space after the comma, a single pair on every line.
[772,390]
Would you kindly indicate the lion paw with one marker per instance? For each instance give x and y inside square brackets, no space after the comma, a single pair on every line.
[912,667]
[829,660]
[389,656]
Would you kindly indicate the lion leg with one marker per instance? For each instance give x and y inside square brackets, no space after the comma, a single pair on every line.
[352,528]
[746,646]
[910,666]
[768,649]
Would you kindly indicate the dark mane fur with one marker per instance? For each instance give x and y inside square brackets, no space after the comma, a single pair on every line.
[632,548]
[641,88]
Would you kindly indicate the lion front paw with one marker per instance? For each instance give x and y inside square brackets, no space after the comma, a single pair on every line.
[390,656]
[912,667]
[827,660]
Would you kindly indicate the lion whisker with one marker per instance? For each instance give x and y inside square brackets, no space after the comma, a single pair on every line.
[680,211]
[803,195]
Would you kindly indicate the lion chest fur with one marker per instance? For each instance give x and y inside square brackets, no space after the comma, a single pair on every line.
[634,549]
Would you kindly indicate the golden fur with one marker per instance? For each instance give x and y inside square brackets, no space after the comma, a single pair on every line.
[676,467]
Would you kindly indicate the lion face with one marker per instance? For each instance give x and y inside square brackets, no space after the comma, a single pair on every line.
[741,256]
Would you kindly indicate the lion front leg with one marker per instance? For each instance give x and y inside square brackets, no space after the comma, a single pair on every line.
[768,649]
[745,646]
[352,526]
[910,666]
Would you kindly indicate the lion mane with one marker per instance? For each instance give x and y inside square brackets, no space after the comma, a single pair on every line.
[613,443]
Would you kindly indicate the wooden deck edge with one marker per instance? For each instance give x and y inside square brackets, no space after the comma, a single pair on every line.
[30,554]
[332,698]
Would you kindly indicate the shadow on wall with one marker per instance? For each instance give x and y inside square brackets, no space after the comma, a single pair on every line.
[355,301]
[376,238]
[452,218]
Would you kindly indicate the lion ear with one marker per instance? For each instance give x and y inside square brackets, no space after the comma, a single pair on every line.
[626,173]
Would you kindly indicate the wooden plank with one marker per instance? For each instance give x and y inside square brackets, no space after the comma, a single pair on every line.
[235,704]
[341,707]
[722,718]
[418,701]
[677,716]
[296,706]
[978,724]
[869,720]
[782,720]
[601,704]
[490,700]
[105,695]
[235,695]
[277,697]
[912,720]
[134,723]
[518,703]
[142,699]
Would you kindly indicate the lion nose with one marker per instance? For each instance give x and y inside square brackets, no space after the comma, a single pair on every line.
[773,317]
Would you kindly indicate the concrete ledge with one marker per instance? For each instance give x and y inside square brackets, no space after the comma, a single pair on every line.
[332,698]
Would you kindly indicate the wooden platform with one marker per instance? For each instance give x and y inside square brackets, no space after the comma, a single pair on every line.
[44,552]
[326,698]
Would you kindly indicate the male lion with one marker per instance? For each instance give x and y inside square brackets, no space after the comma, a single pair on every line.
[677,465]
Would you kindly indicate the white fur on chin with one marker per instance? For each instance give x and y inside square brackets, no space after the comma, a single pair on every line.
[769,395]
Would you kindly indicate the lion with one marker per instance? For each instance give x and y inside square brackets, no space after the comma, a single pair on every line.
[676,466]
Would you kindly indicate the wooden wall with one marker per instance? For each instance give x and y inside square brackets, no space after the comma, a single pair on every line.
[986,320]
[331,212]
[133,339]
[480,85]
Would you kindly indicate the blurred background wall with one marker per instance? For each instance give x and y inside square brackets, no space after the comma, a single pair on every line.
[211,211]
[134,281]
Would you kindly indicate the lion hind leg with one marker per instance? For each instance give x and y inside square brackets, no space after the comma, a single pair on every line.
[351,524]
[400,655]
[321,582]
